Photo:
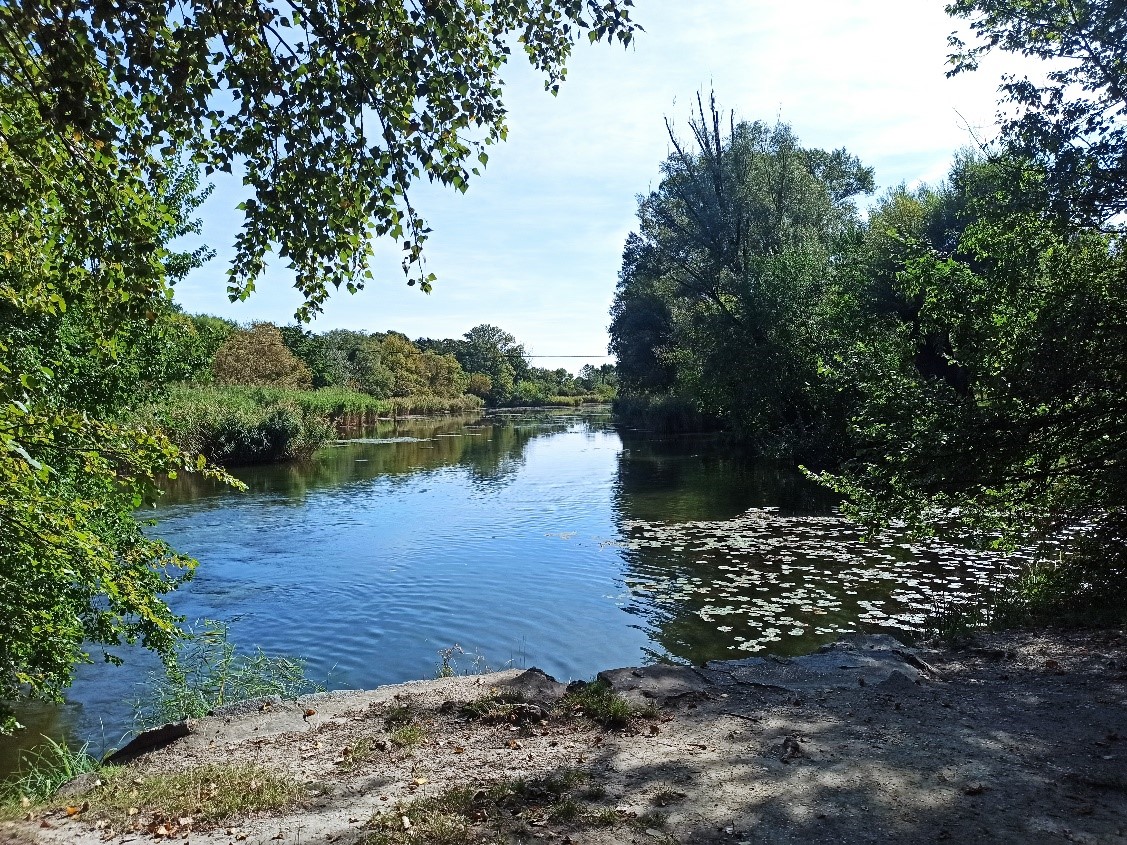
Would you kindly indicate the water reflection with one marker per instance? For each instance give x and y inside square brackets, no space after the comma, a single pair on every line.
[687,477]
[490,448]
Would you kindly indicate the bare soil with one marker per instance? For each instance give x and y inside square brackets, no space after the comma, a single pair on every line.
[1020,739]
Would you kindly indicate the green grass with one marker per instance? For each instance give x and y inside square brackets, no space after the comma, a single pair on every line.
[548,401]
[43,770]
[602,705]
[498,706]
[207,794]
[1079,591]
[408,736]
[663,413]
[954,621]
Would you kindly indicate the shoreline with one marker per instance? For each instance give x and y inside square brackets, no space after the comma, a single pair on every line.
[1021,739]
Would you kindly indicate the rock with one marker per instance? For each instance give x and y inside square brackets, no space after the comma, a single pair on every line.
[857,661]
[78,785]
[897,681]
[536,687]
[655,685]
[147,741]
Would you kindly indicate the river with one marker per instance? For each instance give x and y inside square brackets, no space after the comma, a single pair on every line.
[531,538]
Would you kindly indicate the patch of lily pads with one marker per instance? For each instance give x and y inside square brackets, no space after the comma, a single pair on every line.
[764,578]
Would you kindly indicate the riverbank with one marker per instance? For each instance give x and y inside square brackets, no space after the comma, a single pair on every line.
[1022,738]
[232,426]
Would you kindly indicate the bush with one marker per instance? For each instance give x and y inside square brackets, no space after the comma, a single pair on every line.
[248,425]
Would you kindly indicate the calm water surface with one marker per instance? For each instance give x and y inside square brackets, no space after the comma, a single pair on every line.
[532,538]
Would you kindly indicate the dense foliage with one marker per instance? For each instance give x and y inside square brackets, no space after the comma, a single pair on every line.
[726,295]
[258,356]
[336,109]
[85,322]
[251,402]
[1073,122]
[959,359]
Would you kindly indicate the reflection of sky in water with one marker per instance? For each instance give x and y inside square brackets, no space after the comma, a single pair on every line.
[544,539]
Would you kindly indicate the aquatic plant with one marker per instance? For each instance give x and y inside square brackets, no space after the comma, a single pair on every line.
[208,672]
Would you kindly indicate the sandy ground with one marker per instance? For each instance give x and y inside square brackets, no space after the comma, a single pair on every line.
[1022,739]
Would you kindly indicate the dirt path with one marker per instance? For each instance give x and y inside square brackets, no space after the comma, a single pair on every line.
[1022,740]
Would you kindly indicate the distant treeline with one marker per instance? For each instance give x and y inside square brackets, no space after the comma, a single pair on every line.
[262,393]
[486,362]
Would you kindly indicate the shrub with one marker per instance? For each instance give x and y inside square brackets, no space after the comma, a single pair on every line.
[258,356]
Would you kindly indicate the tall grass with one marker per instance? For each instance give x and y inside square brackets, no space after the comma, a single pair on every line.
[208,672]
[248,425]
[668,414]
[551,401]
[43,770]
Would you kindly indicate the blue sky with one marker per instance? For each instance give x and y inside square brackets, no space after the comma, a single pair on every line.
[535,245]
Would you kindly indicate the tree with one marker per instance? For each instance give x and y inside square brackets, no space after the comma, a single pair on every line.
[335,109]
[725,295]
[495,354]
[1073,124]
[992,398]
[83,295]
[258,357]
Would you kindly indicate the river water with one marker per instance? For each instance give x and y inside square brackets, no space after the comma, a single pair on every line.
[546,539]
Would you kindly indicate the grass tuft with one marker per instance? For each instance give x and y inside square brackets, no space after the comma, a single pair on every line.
[408,736]
[206,794]
[42,771]
[208,672]
[203,794]
[602,705]
[497,706]
[491,813]
[954,622]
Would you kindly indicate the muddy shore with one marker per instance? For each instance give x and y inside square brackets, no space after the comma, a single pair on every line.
[1020,739]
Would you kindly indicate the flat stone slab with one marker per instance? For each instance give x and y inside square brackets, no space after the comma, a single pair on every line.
[655,685]
[855,661]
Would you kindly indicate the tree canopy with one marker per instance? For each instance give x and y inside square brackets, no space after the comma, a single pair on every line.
[954,361]
[1074,120]
[334,109]
[329,112]
[722,298]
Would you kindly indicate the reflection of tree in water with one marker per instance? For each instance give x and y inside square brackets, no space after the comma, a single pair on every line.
[717,572]
[489,448]
[684,477]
